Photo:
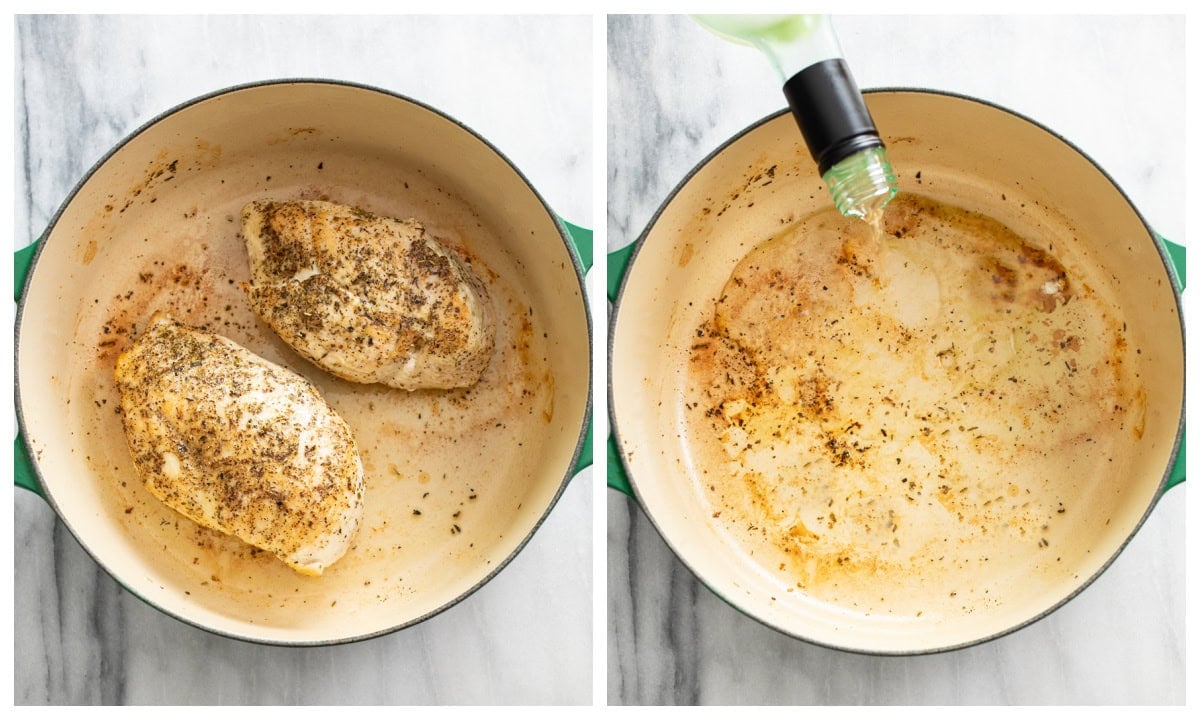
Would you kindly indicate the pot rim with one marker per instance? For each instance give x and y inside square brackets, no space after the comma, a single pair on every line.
[40,242]
[633,483]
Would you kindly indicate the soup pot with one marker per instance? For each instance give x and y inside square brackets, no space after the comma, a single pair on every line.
[456,481]
[914,524]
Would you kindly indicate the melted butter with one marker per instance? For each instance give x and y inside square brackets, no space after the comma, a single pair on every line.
[891,421]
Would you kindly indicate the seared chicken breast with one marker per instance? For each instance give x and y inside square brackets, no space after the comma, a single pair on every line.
[367,298]
[240,445]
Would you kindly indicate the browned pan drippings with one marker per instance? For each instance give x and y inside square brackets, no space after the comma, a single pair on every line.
[909,425]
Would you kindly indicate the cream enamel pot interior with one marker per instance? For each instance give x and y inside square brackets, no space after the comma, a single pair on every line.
[457,481]
[955,150]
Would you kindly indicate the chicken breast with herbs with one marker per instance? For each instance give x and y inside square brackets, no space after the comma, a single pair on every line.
[240,445]
[369,299]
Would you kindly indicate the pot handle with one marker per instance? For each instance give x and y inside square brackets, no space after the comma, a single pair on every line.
[585,452]
[581,238]
[1177,254]
[22,259]
[617,262]
[617,479]
[24,474]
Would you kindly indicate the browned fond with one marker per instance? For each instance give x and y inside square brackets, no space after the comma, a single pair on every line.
[906,424]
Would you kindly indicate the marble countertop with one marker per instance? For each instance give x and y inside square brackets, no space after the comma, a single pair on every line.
[82,84]
[1114,86]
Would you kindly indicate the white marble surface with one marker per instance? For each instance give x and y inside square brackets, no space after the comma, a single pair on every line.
[82,84]
[1112,85]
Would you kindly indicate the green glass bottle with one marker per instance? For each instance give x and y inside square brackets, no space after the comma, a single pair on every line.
[825,101]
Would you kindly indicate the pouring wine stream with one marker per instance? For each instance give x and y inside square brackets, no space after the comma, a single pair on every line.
[826,103]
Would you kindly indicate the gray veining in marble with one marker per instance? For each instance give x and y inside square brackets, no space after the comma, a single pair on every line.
[1114,87]
[84,82]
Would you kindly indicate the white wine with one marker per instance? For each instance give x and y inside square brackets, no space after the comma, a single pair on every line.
[826,103]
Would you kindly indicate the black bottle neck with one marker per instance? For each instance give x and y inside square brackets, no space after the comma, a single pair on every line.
[830,110]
